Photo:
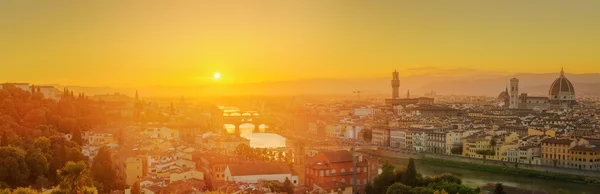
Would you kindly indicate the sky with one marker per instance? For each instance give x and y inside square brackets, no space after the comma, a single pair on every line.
[182,43]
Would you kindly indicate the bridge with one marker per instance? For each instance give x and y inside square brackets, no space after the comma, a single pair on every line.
[238,118]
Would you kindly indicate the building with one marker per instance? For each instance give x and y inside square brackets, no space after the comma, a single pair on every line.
[381,136]
[560,95]
[556,151]
[585,157]
[184,175]
[337,166]
[398,138]
[256,172]
[426,110]
[332,188]
[529,155]
[436,142]
[514,93]
[161,133]
[395,85]
[397,101]
[134,169]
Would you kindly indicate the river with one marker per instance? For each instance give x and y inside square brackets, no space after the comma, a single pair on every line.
[474,178]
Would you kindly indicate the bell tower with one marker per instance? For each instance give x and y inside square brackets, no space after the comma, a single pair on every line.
[395,85]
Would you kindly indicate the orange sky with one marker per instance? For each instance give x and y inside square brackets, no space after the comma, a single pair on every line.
[118,43]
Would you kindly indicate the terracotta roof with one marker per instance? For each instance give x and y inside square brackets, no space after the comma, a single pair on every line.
[557,141]
[585,148]
[258,169]
[332,185]
[338,156]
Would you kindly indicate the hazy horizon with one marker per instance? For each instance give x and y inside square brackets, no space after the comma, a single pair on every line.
[182,44]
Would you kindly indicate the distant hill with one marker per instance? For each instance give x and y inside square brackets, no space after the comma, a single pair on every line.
[490,85]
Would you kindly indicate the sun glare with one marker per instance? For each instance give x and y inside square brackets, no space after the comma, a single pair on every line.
[217,75]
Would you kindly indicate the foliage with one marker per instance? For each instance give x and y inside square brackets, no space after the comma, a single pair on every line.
[445,177]
[562,191]
[457,150]
[135,188]
[422,190]
[393,180]
[288,187]
[398,188]
[499,189]
[410,176]
[385,179]
[104,172]
[30,122]
[440,192]
[513,171]
[453,188]
[21,190]
[13,168]
[486,152]
[261,154]
[75,177]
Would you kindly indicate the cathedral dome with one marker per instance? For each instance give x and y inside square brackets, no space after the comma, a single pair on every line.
[562,89]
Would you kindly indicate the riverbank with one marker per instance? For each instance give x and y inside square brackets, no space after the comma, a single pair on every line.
[532,171]
[513,171]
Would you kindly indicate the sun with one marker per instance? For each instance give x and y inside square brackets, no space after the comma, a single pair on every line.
[217,75]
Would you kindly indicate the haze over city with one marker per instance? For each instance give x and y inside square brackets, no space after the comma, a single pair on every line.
[181,44]
[299,97]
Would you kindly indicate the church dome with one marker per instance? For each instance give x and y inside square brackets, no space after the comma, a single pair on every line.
[562,89]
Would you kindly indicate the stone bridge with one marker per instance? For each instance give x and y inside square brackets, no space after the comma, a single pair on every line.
[249,117]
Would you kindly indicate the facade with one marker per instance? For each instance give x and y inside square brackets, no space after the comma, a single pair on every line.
[419,141]
[585,158]
[336,166]
[433,111]
[398,138]
[381,136]
[256,172]
[560,95]
[555,151]
[161,133]
[436,142]
[186,175]
[134,170]
[529,155]
[514,93]
[332,188]
[397,101]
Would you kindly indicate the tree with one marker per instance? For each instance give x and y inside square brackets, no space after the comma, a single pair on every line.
[77,136]
[562,191]
[103,170]
[37,164]
[24,191]
[13,168]
[499,189]
[385,179]
[410,176]
[398,188]
[288,187]
[453,188]
[41,182]
[440,192]
[74,177]
[135,188]
[42,143]
[4,140]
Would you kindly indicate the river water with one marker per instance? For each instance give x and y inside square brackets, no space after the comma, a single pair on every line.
[474,178]
[260,139]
